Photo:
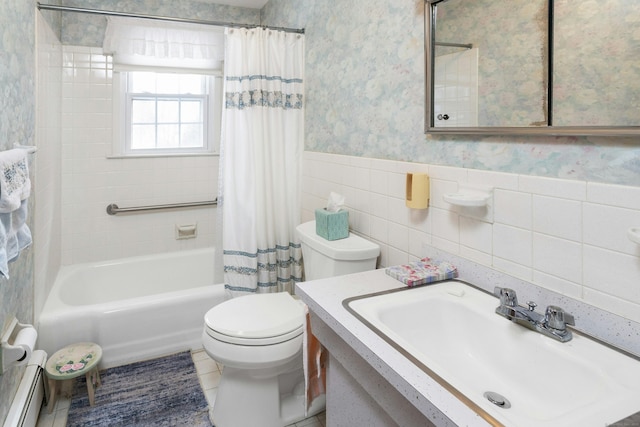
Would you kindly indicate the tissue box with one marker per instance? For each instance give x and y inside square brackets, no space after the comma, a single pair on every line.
[332,225]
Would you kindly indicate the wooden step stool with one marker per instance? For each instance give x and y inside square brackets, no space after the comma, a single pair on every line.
[71,362]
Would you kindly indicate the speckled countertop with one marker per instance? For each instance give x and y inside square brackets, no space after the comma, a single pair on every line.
[324,298]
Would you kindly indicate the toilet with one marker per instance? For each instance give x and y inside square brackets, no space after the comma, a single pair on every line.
[258,338]
[329,258]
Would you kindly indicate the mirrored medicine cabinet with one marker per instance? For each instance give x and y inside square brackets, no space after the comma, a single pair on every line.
[520,67]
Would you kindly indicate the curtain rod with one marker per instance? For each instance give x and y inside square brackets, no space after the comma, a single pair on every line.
[161,18]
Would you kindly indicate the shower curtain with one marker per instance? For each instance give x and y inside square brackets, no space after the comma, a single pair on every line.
[261,152]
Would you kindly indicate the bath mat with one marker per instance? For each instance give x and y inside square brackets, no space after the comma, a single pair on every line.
[163,392]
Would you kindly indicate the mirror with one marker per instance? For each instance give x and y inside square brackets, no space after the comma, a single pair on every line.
[532,67]
[596,72]
[490,63]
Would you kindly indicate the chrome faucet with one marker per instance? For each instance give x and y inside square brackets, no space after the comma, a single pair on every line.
[553,323]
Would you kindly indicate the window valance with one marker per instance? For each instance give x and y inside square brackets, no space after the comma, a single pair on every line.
[135,42]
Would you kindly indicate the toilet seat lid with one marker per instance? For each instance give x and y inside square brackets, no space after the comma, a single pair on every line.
[256,316]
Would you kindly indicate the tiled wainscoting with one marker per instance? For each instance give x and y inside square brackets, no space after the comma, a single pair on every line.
[564,235]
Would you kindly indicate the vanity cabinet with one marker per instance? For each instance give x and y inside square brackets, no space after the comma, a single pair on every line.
[357,394]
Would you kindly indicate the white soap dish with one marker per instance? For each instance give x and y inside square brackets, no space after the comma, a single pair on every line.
[634,234]
[467,199]
[469,195]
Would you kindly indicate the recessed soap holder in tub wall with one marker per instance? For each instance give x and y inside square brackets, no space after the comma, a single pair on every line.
[189,231]
[475,201]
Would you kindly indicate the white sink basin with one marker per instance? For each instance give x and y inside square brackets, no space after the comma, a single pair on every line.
[451,331]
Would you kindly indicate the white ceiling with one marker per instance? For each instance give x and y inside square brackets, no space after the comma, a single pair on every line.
[253,4]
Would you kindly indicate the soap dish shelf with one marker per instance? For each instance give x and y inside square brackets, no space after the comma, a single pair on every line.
[634,234]
[470,196]
[467,199]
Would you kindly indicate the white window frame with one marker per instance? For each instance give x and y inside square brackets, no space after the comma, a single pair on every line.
[122,118]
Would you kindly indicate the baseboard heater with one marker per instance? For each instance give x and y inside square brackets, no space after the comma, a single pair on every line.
[26,404]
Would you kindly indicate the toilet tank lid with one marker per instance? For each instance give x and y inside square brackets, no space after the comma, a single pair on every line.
[352,248]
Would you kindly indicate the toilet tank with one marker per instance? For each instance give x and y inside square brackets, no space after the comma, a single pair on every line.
[327,258]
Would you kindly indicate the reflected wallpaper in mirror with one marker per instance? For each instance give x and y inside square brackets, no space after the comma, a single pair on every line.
[510,39]
[596,69]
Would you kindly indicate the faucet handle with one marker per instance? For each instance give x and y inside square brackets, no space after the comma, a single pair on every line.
[507,296]
[556,318]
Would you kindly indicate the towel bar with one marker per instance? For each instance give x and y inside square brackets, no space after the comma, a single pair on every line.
[113,209]
[30,148]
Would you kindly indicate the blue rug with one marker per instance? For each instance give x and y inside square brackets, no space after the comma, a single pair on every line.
[163,392]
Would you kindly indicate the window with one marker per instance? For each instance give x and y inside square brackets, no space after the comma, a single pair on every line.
[167,113]
[167,86]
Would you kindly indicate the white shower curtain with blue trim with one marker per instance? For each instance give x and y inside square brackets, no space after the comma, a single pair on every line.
[261,154]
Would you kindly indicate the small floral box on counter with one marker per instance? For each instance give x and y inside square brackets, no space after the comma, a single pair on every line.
[422,272]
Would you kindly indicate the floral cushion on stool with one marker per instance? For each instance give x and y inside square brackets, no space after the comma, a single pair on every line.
[71,362]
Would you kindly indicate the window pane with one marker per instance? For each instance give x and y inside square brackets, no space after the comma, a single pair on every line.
[143,137]
[142,82]
[168,83]
[191,111]
[168,111]
[143,111]
[192,84]
[168,136]
[191,136]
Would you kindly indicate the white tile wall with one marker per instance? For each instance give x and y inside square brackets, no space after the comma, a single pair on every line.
[602,225]
[513,244]
[564,235]
[557,217]
[91,181]
[513,208]
[45,164]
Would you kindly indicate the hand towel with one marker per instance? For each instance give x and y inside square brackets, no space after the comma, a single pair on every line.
[15,185]
[424,271]
[314,364]
[15,188]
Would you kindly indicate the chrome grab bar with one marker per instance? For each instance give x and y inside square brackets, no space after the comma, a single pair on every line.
[113,209]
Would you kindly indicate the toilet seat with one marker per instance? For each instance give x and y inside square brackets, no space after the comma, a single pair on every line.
[254,341]
[255,320]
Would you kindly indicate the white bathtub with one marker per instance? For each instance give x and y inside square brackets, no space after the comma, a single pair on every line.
[134,308]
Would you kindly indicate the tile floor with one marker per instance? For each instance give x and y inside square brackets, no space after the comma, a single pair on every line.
[209,374]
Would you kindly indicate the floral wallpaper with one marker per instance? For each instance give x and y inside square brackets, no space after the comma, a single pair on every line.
[365,97]
[17,124]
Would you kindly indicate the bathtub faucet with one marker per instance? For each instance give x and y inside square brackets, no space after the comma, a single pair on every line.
[553,323]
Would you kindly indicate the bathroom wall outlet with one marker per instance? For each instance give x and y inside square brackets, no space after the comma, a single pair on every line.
[189,231]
